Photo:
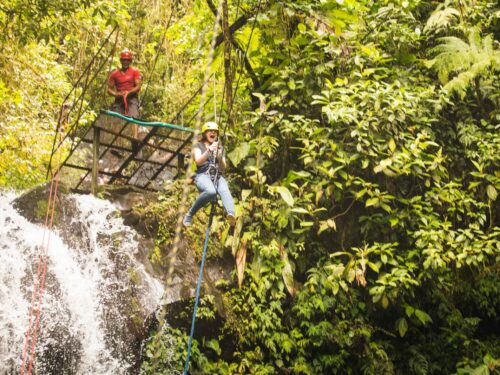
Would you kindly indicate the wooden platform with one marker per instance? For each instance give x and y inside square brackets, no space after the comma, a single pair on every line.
[107,153]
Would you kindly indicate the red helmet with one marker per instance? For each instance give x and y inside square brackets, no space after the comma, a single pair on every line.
[126,55]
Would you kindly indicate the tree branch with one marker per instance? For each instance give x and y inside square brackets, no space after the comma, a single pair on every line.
[248,66]
[347,210]
[238,24]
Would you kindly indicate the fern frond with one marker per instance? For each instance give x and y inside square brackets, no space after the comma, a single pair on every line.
[450,62]
[475,40]
[450,44]
[418,363]
[441,19]
[452,55]
[460,83]
[496,61]
[488,44]
[470,59]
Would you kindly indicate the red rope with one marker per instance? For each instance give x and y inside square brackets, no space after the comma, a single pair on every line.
[42,286]
[125,104]
[39,282]
[36,281]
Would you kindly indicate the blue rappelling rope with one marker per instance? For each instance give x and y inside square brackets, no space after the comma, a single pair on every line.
[198,287]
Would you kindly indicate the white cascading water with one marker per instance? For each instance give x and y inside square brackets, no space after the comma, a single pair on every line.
[93,285]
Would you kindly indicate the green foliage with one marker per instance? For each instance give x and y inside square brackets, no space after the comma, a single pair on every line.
[352,184]
[469,60]
[350,166]
[442,17]
[367,197]
[489,366]
[29,114]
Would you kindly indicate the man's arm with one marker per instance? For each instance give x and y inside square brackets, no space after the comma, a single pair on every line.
[137,84]
[112,88]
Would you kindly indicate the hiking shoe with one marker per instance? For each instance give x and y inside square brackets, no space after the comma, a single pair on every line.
[187,221]
[231,220]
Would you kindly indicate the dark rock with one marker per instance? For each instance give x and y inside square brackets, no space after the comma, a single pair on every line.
[33,204]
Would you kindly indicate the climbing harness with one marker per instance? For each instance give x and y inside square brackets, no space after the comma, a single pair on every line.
[213,170]
[213,173]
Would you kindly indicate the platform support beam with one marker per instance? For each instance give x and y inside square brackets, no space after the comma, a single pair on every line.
[95,160]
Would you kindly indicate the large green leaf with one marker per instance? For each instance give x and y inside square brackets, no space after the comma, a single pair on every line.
[423,316]
[287,273]
[239,153]
[492,192]
[402,325]
[285,194]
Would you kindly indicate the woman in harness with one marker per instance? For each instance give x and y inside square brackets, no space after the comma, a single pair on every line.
[209,179]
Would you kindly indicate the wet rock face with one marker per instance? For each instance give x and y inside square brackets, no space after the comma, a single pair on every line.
[186,269]
[98,272]
[178,298]
[130,322]
[33,205]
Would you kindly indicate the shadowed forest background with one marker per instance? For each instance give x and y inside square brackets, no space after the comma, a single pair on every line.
[364,147]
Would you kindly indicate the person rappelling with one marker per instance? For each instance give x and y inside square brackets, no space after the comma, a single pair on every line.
[209,156]
[124,84]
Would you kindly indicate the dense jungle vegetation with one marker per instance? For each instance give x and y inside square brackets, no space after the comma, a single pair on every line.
[365,160]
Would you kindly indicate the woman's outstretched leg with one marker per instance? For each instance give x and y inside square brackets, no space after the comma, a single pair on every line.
[227,199]
[207,193]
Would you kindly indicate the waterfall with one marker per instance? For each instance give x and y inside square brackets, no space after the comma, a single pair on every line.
[97,292]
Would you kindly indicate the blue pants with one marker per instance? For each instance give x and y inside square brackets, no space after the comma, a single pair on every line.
[208,193]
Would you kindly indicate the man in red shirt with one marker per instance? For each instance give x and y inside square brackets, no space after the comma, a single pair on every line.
[124,84]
